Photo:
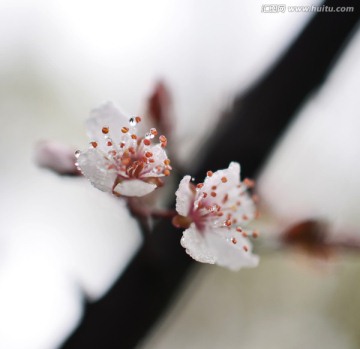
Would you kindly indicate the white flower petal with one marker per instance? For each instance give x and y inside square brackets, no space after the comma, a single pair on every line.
[228,254]
[109,115]
[232,175]
[134,187]
[184,197]
[215,246]
[93,166]
[246,209]
[196,246]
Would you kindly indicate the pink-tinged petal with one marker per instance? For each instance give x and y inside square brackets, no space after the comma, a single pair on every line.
[134,187]
[184,197]
[159,107]
[220,246]
[56,157]
[94,166]
[196,246]
[106,115]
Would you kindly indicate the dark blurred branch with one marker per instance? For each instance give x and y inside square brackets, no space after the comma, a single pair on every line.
[262,114]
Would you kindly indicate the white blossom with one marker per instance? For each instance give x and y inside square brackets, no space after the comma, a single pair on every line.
[119,159]
[215,214]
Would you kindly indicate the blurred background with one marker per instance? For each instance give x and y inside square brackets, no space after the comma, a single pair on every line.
[63,243]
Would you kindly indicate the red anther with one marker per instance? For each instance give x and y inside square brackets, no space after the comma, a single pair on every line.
[245,248]
[214,187]
[162,139]
[245,217]
[220,214]
[94,144]
[122,145]
[166,172]
[245,234]
[151,160]
[228,222]
[146,141]
[234,221]
[249,182]
[167,162]
[224,179]
[133,136]
[148,154]
[199,185]
[238,203]
[238,229]
[163,144]
[124,129]
[234,241]
[105,130]
[205,195]
[209,173]
[153,131]
[255,234]
[109,143]
[213,194]
[138,119]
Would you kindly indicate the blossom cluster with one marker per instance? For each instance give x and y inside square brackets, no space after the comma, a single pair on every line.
[215,213]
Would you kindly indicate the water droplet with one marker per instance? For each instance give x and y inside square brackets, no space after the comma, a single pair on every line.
[132,122]
[77,153]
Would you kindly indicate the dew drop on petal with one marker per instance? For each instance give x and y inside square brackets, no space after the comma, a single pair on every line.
[132,122]
[149,135]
